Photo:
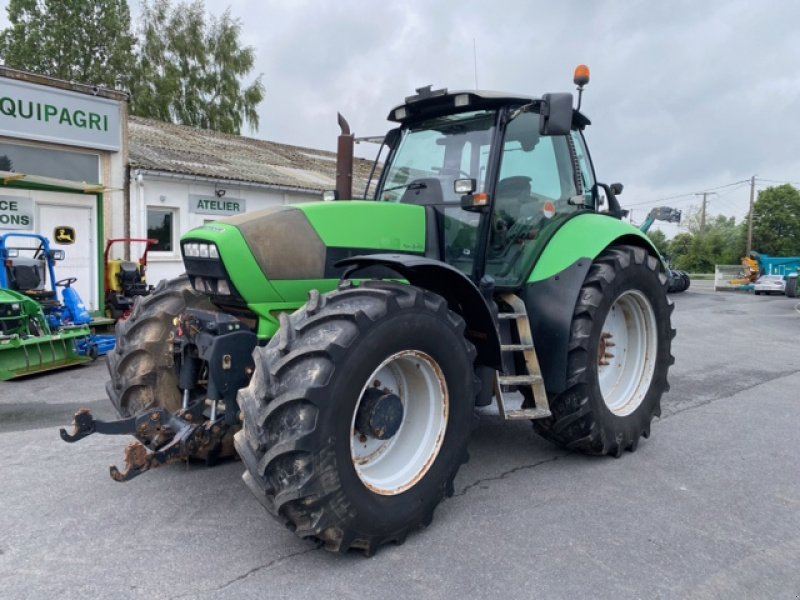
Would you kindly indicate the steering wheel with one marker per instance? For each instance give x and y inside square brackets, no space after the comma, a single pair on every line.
[66,282]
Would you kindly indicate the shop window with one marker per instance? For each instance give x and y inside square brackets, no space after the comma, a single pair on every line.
[161,227]
[47,162]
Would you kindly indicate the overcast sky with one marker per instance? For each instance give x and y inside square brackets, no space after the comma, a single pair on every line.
[685,95]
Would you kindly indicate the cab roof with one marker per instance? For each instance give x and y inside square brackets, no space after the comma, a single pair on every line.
[427,103]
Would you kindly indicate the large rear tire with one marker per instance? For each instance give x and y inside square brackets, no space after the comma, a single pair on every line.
[619,355]
[358,414]
[142,370]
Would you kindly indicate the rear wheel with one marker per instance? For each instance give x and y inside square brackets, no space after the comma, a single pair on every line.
[791,287]
[143,375]
[619,355]
[358,414]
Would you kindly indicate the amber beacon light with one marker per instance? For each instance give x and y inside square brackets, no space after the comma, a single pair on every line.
[581,78]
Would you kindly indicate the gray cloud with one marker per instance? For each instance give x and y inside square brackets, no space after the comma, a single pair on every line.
[684,96]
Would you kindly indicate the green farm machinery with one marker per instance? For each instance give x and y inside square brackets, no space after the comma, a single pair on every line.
[34,336]
[340,348]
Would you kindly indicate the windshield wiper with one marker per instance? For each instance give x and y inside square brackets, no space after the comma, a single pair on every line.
[414,185]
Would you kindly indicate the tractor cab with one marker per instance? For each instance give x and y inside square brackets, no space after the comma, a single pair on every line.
[497,173]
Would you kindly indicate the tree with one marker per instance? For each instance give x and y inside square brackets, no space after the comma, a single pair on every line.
[776,221]
[77,40]
[188,69]
[659,240]
[722,244]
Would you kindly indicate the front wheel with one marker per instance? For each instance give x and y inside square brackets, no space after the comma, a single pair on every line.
[619,355]
[358,414]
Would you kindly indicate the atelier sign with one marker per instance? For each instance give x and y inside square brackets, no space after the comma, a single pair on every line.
[212,205]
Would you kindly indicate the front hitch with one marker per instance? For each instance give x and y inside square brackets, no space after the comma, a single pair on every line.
[180,438]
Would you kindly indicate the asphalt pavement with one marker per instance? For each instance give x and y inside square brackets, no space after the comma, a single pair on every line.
[708,507]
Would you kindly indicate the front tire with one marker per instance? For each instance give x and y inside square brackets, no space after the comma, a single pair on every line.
[358,414]
[619,355]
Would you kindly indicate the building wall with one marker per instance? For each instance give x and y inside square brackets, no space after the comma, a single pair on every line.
[174,194]
[50,129]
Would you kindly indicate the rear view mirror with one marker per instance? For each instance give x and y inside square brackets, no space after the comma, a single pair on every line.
[464,186]
[555,117]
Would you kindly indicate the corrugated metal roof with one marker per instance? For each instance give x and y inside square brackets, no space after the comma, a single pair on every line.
[158,146]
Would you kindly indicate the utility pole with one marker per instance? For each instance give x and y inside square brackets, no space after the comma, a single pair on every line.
[750,216]
[703,212]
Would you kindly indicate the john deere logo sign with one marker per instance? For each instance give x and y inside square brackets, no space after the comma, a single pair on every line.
[16,212]
[214,205]
[31,111]
[63,234]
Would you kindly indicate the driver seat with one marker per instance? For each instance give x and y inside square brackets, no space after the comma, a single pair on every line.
[28,280]
[511,194]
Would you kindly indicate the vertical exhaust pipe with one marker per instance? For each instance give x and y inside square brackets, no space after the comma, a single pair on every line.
[344,161]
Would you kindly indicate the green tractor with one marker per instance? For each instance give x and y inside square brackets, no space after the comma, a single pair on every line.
[342,347]
[34,336]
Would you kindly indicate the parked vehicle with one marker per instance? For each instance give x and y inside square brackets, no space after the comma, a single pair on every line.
[769,284]
[125,279]
[34,335]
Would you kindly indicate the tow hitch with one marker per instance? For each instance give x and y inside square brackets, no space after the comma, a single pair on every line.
[184,438]
[209,347]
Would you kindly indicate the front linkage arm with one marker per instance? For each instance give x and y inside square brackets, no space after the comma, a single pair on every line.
[156,424]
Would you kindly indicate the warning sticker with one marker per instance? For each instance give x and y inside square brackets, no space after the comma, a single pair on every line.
[549,209]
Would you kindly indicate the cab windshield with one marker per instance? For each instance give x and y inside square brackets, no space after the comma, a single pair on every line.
[429,158]
[433,154]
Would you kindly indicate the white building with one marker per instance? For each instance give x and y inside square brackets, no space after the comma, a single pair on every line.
[63,151]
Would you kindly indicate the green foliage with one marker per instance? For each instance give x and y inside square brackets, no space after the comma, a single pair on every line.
[776,221]
[78,40]
[722,244]
[188,69]
[659,240]
[184,68]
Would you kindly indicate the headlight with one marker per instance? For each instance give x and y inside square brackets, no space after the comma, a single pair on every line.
[200,250]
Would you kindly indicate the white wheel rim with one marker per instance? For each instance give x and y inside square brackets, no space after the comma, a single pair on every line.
[627,352]
[391,466]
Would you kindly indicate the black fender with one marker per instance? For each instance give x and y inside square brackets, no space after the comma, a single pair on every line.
[551,304]
[461,293]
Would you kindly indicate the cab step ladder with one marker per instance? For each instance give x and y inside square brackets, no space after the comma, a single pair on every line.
[533,377]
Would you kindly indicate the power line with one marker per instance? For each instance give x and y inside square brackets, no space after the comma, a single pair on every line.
[689,194]
[777,181]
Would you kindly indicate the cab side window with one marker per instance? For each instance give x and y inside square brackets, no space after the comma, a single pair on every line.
[536,184]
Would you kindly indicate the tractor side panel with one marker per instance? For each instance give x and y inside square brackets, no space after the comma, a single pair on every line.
[553,287]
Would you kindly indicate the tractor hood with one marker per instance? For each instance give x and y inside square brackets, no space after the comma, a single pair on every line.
[273,257]
[304,242]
